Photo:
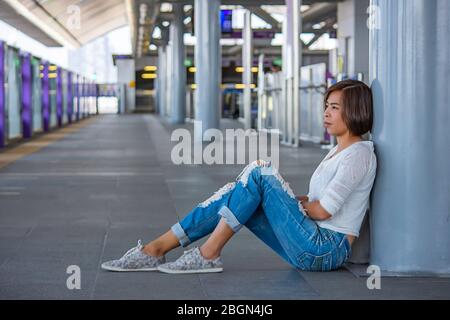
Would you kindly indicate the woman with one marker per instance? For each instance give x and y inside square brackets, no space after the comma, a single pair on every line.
[313,232]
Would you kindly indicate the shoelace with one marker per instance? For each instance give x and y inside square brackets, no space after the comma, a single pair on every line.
[139,246]
[186,253]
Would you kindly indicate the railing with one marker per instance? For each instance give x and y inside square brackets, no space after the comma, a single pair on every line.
[273,110]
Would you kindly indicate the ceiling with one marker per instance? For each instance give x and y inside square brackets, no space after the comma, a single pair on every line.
[74,23]
[64,22]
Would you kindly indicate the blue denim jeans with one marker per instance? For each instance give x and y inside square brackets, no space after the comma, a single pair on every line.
[262,201]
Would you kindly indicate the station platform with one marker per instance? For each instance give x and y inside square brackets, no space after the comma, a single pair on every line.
[90,193]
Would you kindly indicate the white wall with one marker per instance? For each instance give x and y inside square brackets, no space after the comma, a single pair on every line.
[353,36]
[127,76]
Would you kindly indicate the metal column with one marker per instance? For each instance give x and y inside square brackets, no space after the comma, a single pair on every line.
[291,68]
[262,105]
[247,63]
[162,75]
[208,64]
[178,75]
[410,73]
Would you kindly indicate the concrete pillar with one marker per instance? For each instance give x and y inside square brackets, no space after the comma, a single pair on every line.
[410,73]
[208,64]
[353,37]
[247,63]
[353,54]
[292,58]
[178,75]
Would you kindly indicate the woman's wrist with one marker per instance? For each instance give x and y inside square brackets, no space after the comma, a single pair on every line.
[304,210]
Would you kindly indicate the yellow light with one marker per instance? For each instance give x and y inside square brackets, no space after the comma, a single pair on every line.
[149,76]
[242,86]
[241,69]
[193,86]
[42,75]
[150,68]
[192,69]
[41,67]
[52,75]
[52,68]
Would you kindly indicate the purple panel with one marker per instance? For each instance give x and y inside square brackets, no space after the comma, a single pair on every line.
[69,97]
[96,97]
[45,98]
[80,106]
[88,109]
[87,97]
[83,97]
[85,94]
[78,96]
[59,98]
[26,96]
[91,86]
[2,94]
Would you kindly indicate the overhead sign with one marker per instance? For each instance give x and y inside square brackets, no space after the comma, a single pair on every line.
[226,21]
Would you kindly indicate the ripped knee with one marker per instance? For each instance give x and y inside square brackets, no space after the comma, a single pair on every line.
[262,163]
[243,176]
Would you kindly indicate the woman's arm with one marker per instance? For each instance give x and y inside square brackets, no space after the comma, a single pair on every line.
[315,211]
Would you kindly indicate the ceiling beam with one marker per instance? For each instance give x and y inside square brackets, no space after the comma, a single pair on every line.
[329,23]
[264,15]
[60,25]
[319,11]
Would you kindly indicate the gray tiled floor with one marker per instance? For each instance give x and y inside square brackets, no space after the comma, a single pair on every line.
[90,196]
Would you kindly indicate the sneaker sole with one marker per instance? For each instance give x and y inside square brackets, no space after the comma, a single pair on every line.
[127,270]
[212,270]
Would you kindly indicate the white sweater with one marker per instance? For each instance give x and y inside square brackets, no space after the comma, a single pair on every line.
[342,184]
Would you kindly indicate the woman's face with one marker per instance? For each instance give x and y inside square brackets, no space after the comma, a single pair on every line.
[333,121]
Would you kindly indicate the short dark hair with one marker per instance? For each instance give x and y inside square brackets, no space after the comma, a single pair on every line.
[357,109]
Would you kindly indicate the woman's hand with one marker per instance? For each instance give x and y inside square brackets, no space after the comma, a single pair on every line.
[313,209]
[302,198]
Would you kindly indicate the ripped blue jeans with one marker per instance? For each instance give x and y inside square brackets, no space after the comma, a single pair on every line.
[262,201]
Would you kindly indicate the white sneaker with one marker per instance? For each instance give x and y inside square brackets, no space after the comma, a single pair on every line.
[134,260]
[192,261]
